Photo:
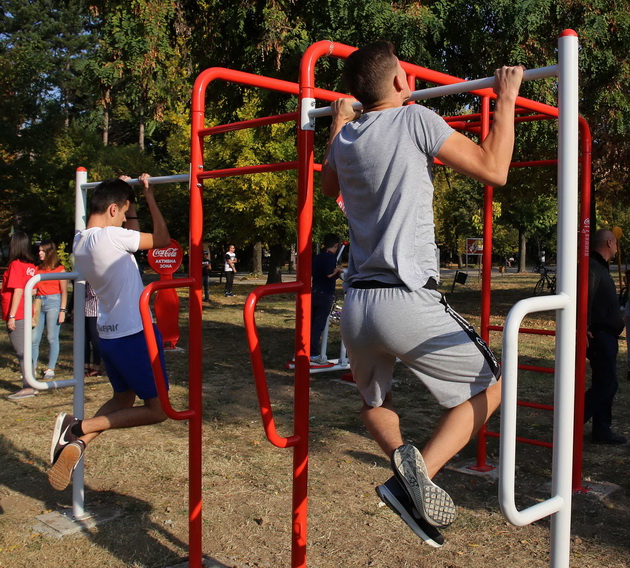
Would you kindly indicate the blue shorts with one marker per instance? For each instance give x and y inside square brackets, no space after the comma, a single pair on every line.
[128,364]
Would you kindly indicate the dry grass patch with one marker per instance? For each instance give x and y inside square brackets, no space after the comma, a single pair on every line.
[247,482]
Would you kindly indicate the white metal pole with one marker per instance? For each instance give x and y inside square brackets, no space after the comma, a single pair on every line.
[80,222]
[567,284]
[157,180]
[80,218]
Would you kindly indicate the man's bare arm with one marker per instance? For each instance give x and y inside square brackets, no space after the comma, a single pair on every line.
[489,161]
[342,113]
[160,237]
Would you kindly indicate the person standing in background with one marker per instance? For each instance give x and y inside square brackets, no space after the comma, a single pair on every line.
[53,295]
[605,324]
[205,275]
[325,274]
[230,269]
[21,269]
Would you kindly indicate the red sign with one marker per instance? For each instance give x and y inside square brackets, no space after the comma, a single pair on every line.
[474,246]
[166,260]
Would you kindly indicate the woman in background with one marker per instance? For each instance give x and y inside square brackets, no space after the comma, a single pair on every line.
[54,297]
[21,269]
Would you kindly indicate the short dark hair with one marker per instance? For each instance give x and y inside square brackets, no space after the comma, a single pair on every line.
[600,237]
[20,247]
[367,71]
[110,191]
[330,240]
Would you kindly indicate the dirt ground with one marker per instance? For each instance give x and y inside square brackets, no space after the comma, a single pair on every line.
[142,473]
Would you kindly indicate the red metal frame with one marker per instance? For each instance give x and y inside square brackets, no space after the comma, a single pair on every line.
[306,167]
[582,299]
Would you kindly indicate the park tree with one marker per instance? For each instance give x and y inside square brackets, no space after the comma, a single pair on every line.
[41,47]
[471,39]
[139,66]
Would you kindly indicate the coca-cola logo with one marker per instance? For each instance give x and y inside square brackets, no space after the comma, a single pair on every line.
[166,260]
[170,252]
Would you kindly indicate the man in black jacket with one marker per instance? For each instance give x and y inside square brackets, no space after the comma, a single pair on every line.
[605,323]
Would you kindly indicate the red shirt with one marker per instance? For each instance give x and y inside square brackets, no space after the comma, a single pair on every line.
[48,287]
[16,276]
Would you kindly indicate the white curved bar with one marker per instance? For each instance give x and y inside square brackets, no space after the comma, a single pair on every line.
[157,180]
[455,88]
[507,440]
[29,377]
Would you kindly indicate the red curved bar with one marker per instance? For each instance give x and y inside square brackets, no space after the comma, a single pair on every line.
[253,340]
[149,334]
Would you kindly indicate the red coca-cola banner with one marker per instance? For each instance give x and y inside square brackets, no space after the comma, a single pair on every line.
[166,260]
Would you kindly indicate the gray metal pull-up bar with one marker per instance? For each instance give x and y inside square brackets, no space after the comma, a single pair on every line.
[453,89]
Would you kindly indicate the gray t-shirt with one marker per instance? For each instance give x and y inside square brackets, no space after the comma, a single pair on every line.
[384,164]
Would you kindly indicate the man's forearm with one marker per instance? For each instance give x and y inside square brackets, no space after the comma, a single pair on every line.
[161,235]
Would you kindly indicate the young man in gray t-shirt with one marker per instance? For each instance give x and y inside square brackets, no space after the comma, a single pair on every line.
[380,161]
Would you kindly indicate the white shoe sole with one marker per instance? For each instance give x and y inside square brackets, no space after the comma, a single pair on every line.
[432,502]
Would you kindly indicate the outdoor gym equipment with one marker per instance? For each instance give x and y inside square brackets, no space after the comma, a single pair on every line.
[559,505]
[563,302]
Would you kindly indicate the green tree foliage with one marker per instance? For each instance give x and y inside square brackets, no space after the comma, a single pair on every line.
[95,83]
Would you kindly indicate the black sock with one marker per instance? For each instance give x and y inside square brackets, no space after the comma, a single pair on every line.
[77,430]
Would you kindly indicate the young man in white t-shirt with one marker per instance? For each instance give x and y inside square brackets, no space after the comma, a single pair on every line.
[104,257]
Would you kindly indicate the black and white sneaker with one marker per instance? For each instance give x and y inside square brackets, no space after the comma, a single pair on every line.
[67,460]
[62,435]
[395,497]
[432,502]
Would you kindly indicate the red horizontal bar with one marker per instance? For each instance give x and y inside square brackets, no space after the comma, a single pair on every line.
[253,123]
[523,440]
[534,163]
[536,369]
[246,170]
[526,330]
[536,405]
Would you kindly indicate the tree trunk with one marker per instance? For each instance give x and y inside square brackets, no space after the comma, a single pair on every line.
[257,259]
[106,99]
[276,257]
[522,251]
[141,135]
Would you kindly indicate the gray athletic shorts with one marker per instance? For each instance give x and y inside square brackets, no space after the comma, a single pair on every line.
[419,328]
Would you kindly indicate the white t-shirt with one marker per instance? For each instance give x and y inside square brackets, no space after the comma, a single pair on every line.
[231,256]
[103,256]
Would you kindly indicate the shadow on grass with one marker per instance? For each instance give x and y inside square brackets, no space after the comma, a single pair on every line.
[124,538]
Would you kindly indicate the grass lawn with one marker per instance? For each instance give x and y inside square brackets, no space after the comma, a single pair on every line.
[142,473]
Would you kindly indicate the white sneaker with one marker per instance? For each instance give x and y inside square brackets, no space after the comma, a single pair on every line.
[49,375]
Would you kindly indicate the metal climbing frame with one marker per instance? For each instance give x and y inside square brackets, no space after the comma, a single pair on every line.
[564,302]
[306,167]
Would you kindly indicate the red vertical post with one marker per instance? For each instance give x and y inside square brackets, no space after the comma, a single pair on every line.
[195,336]
[586,144]
[486,278]
[306,138]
